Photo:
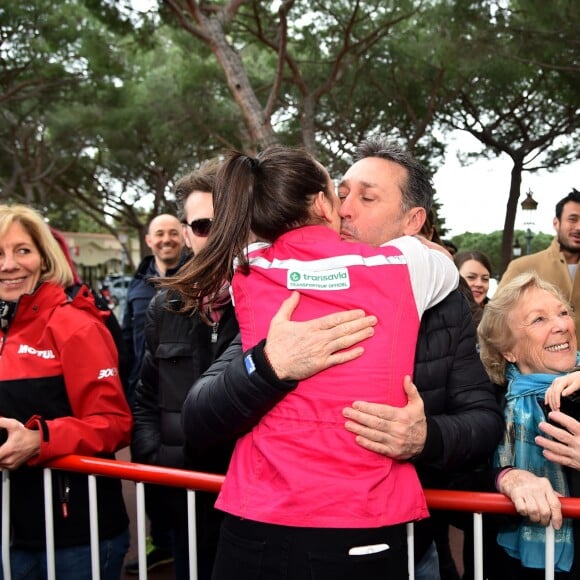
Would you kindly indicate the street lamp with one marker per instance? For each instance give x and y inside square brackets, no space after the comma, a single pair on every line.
[517,249]
[529,206]
[123,238]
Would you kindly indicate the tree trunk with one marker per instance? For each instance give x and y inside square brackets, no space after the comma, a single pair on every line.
[511,212]
[307,121]
[259,127]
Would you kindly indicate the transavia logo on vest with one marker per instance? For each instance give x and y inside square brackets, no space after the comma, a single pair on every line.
[337,279]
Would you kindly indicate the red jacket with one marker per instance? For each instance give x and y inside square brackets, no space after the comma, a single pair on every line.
[58,374]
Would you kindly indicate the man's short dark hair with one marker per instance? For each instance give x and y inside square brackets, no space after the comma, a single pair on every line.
[201,179]
[574,196]
[418,190]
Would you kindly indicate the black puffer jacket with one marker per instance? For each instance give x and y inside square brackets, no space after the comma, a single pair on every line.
[141,291]
[464,420]
[178,349]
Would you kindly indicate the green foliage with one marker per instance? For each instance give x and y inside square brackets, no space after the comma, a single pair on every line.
[68,218]
[102,107]
[439,222]
[490,245]
[101,122]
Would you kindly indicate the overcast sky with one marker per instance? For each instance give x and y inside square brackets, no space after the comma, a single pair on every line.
[474,197]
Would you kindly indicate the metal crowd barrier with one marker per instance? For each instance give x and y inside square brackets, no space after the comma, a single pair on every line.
[477,503]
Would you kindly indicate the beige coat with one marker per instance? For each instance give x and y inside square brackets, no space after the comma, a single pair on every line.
[550,265]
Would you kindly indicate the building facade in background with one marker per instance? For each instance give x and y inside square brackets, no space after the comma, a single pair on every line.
[100,256]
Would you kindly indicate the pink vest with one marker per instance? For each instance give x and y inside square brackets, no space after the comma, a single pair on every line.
[299,466]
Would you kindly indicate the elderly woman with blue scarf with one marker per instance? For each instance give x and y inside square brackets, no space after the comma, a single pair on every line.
[528,344]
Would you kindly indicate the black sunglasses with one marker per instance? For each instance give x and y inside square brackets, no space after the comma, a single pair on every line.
[200,227]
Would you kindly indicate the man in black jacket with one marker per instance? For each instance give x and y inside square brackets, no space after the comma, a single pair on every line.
[165,240]
[452,420]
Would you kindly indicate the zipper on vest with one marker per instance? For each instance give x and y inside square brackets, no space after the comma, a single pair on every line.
[214,332]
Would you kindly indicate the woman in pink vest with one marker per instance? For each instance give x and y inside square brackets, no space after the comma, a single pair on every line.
[302,499]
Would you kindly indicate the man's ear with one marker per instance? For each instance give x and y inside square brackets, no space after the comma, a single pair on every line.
[185,236]
[556,223]
[414,220]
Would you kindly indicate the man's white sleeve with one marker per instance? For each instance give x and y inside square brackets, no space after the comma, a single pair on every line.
[433,274]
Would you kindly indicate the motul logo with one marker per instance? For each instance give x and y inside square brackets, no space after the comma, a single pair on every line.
[25,349]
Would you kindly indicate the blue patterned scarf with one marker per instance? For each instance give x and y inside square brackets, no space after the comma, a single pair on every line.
[523,413]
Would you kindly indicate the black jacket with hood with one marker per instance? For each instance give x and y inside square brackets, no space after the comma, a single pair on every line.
[179,348]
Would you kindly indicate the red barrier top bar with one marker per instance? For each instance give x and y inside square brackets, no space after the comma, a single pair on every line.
[471,501]
[139,472]
[468,501]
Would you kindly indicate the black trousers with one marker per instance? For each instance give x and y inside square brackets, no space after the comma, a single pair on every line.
[250,550]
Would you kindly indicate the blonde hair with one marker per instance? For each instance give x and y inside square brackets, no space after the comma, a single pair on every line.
[495,336]
[55,266]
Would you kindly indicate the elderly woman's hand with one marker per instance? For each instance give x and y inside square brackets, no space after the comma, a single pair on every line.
[562,387]
[564,447]
[532,496]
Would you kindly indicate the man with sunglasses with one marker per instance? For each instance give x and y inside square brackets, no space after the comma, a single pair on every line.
[165,240]
[199,229]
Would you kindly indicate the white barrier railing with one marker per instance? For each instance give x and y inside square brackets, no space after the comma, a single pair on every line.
[477,503]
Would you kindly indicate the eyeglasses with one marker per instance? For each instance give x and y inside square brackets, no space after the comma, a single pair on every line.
[200,227]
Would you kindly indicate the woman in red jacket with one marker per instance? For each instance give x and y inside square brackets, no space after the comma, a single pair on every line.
[60,394]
